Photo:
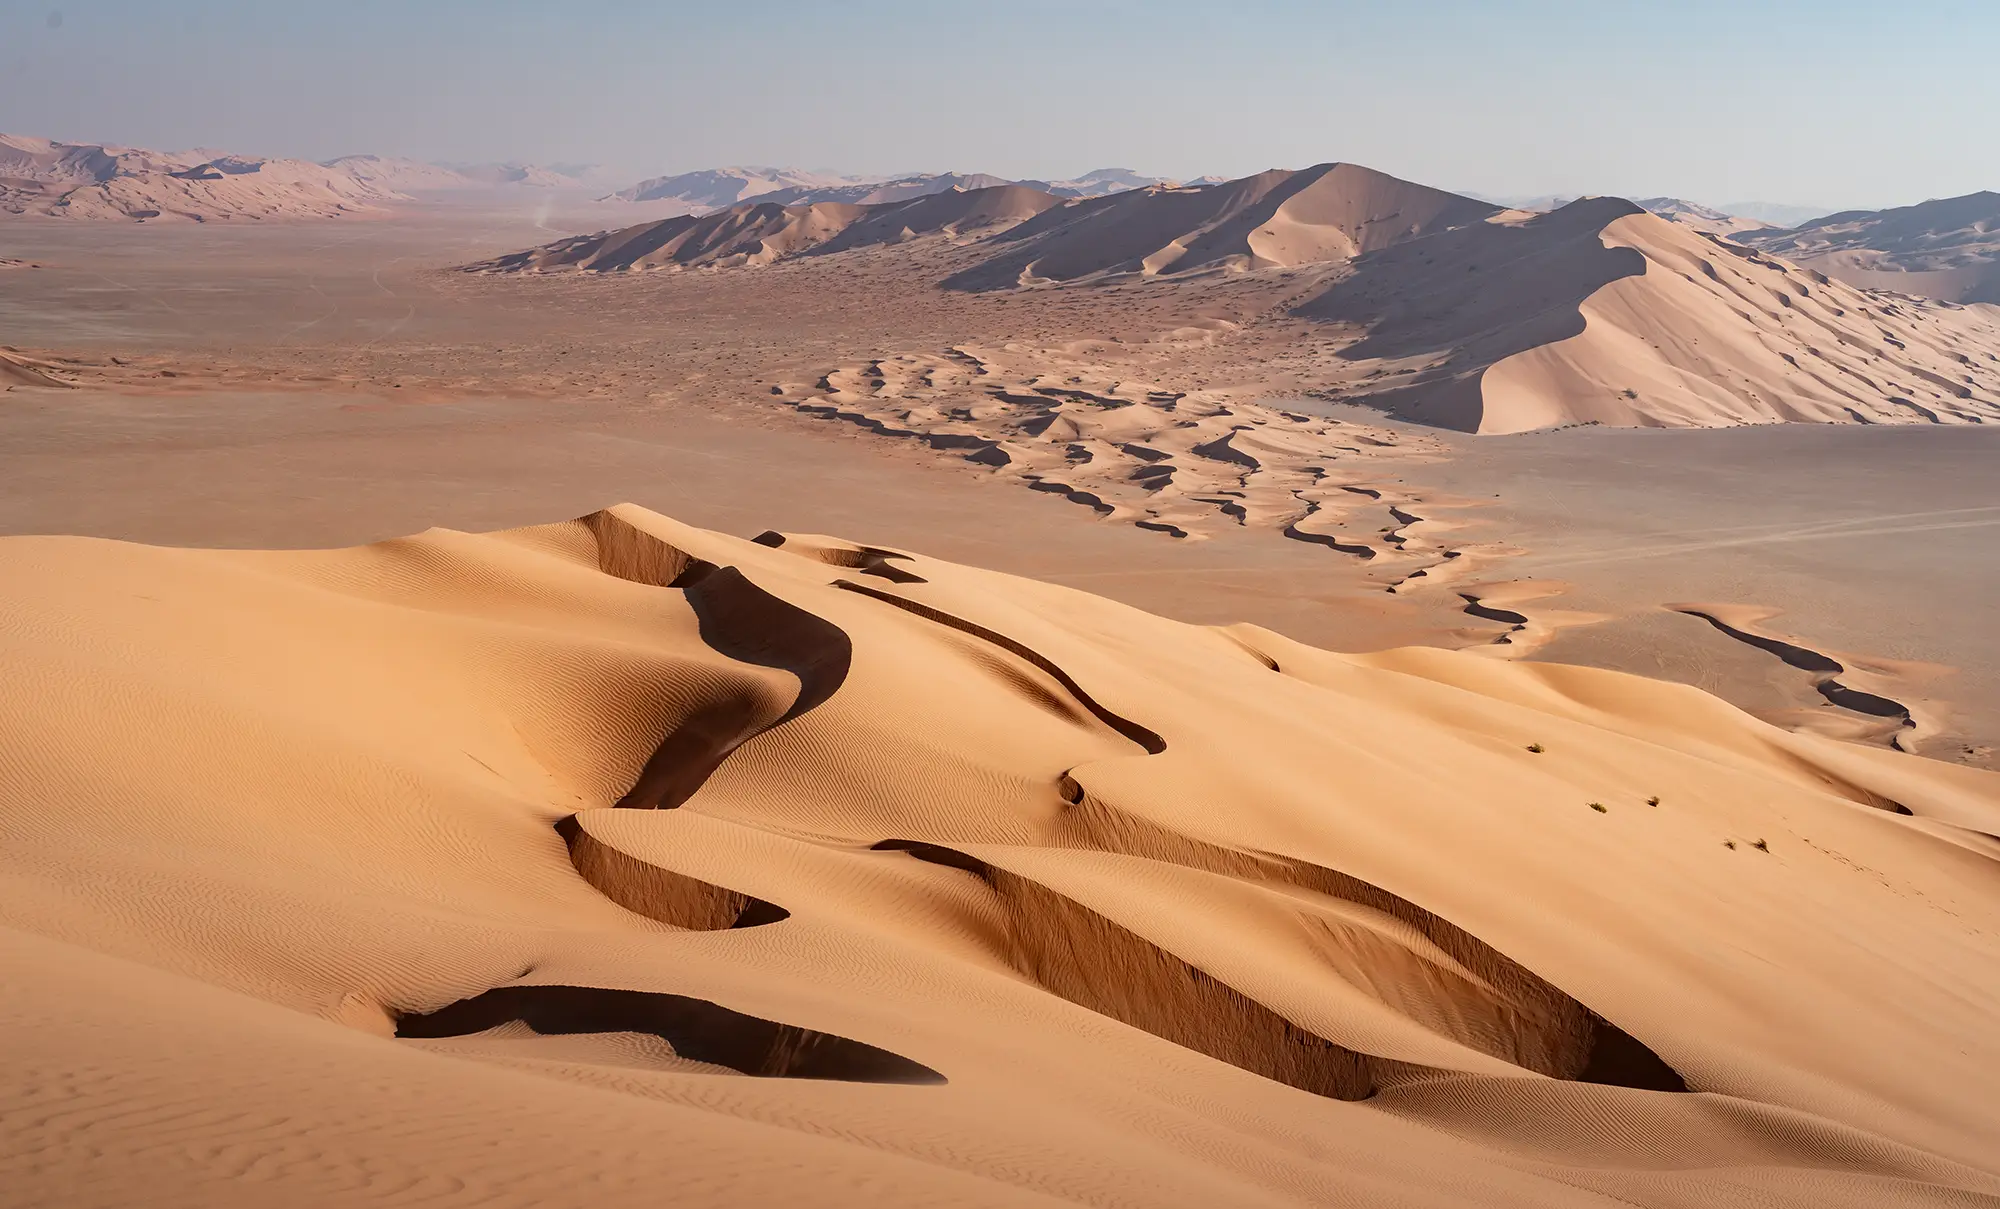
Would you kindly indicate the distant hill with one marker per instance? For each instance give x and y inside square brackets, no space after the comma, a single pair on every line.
[718,187]
[42,177]
[532,175]
[1947,248]
[1777,214]
[758,232]
[401,175]
[1700,217]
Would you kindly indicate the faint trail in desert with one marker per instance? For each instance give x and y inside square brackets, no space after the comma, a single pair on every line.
[375,276]
[152,296]
[1980,518]
[312,283]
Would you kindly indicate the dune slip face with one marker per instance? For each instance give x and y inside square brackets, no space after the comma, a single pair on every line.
[806,870]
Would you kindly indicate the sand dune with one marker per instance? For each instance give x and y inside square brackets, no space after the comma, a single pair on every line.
[19,369]
[1947,248]
[806,871]
[1602,313]
[63,180]
[1279,218]
[760,232]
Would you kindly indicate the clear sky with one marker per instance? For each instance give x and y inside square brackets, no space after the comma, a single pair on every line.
[1831,102]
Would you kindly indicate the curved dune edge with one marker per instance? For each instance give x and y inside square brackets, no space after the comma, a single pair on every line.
[264,806]
[1713,335]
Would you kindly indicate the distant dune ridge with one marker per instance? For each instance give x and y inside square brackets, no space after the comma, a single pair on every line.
[1947,248]
[759,232]
[46,178]
[800,871]
[66,180]
[1700,217]
[1476,317]
[720,187]
[399,174]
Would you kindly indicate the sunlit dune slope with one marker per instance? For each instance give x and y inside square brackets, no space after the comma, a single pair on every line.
[615,860]
[1602,313]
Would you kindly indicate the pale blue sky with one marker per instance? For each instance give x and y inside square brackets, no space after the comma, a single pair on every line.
[1834,102]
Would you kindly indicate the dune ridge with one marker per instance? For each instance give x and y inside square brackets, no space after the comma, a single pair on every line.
[41,177]
[761,232]
[275,810]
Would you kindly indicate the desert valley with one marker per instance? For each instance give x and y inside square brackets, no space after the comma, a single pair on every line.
[759,686]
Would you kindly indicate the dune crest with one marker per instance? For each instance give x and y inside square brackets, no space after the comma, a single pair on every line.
[89,182]
[1327,213]
[843,867]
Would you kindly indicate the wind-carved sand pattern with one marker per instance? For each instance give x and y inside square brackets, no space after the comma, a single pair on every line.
[1860,687]
[1184,464]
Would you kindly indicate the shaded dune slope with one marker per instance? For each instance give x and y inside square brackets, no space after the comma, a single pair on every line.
[625,810]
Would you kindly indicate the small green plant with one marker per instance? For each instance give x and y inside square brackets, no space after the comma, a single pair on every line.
[1536,748]
[1729,844]
[1599,807]
[1654,800]
[1761,846]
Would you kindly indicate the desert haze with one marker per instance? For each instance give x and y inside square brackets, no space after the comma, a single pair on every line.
[766,686]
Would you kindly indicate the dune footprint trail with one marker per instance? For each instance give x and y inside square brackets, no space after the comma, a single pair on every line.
[801,870]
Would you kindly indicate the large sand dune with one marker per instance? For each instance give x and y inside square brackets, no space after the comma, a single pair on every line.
[64,180]
[613,860]
[1602,313]
[1274,219]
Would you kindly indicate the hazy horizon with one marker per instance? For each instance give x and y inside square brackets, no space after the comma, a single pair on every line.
[1808,104]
